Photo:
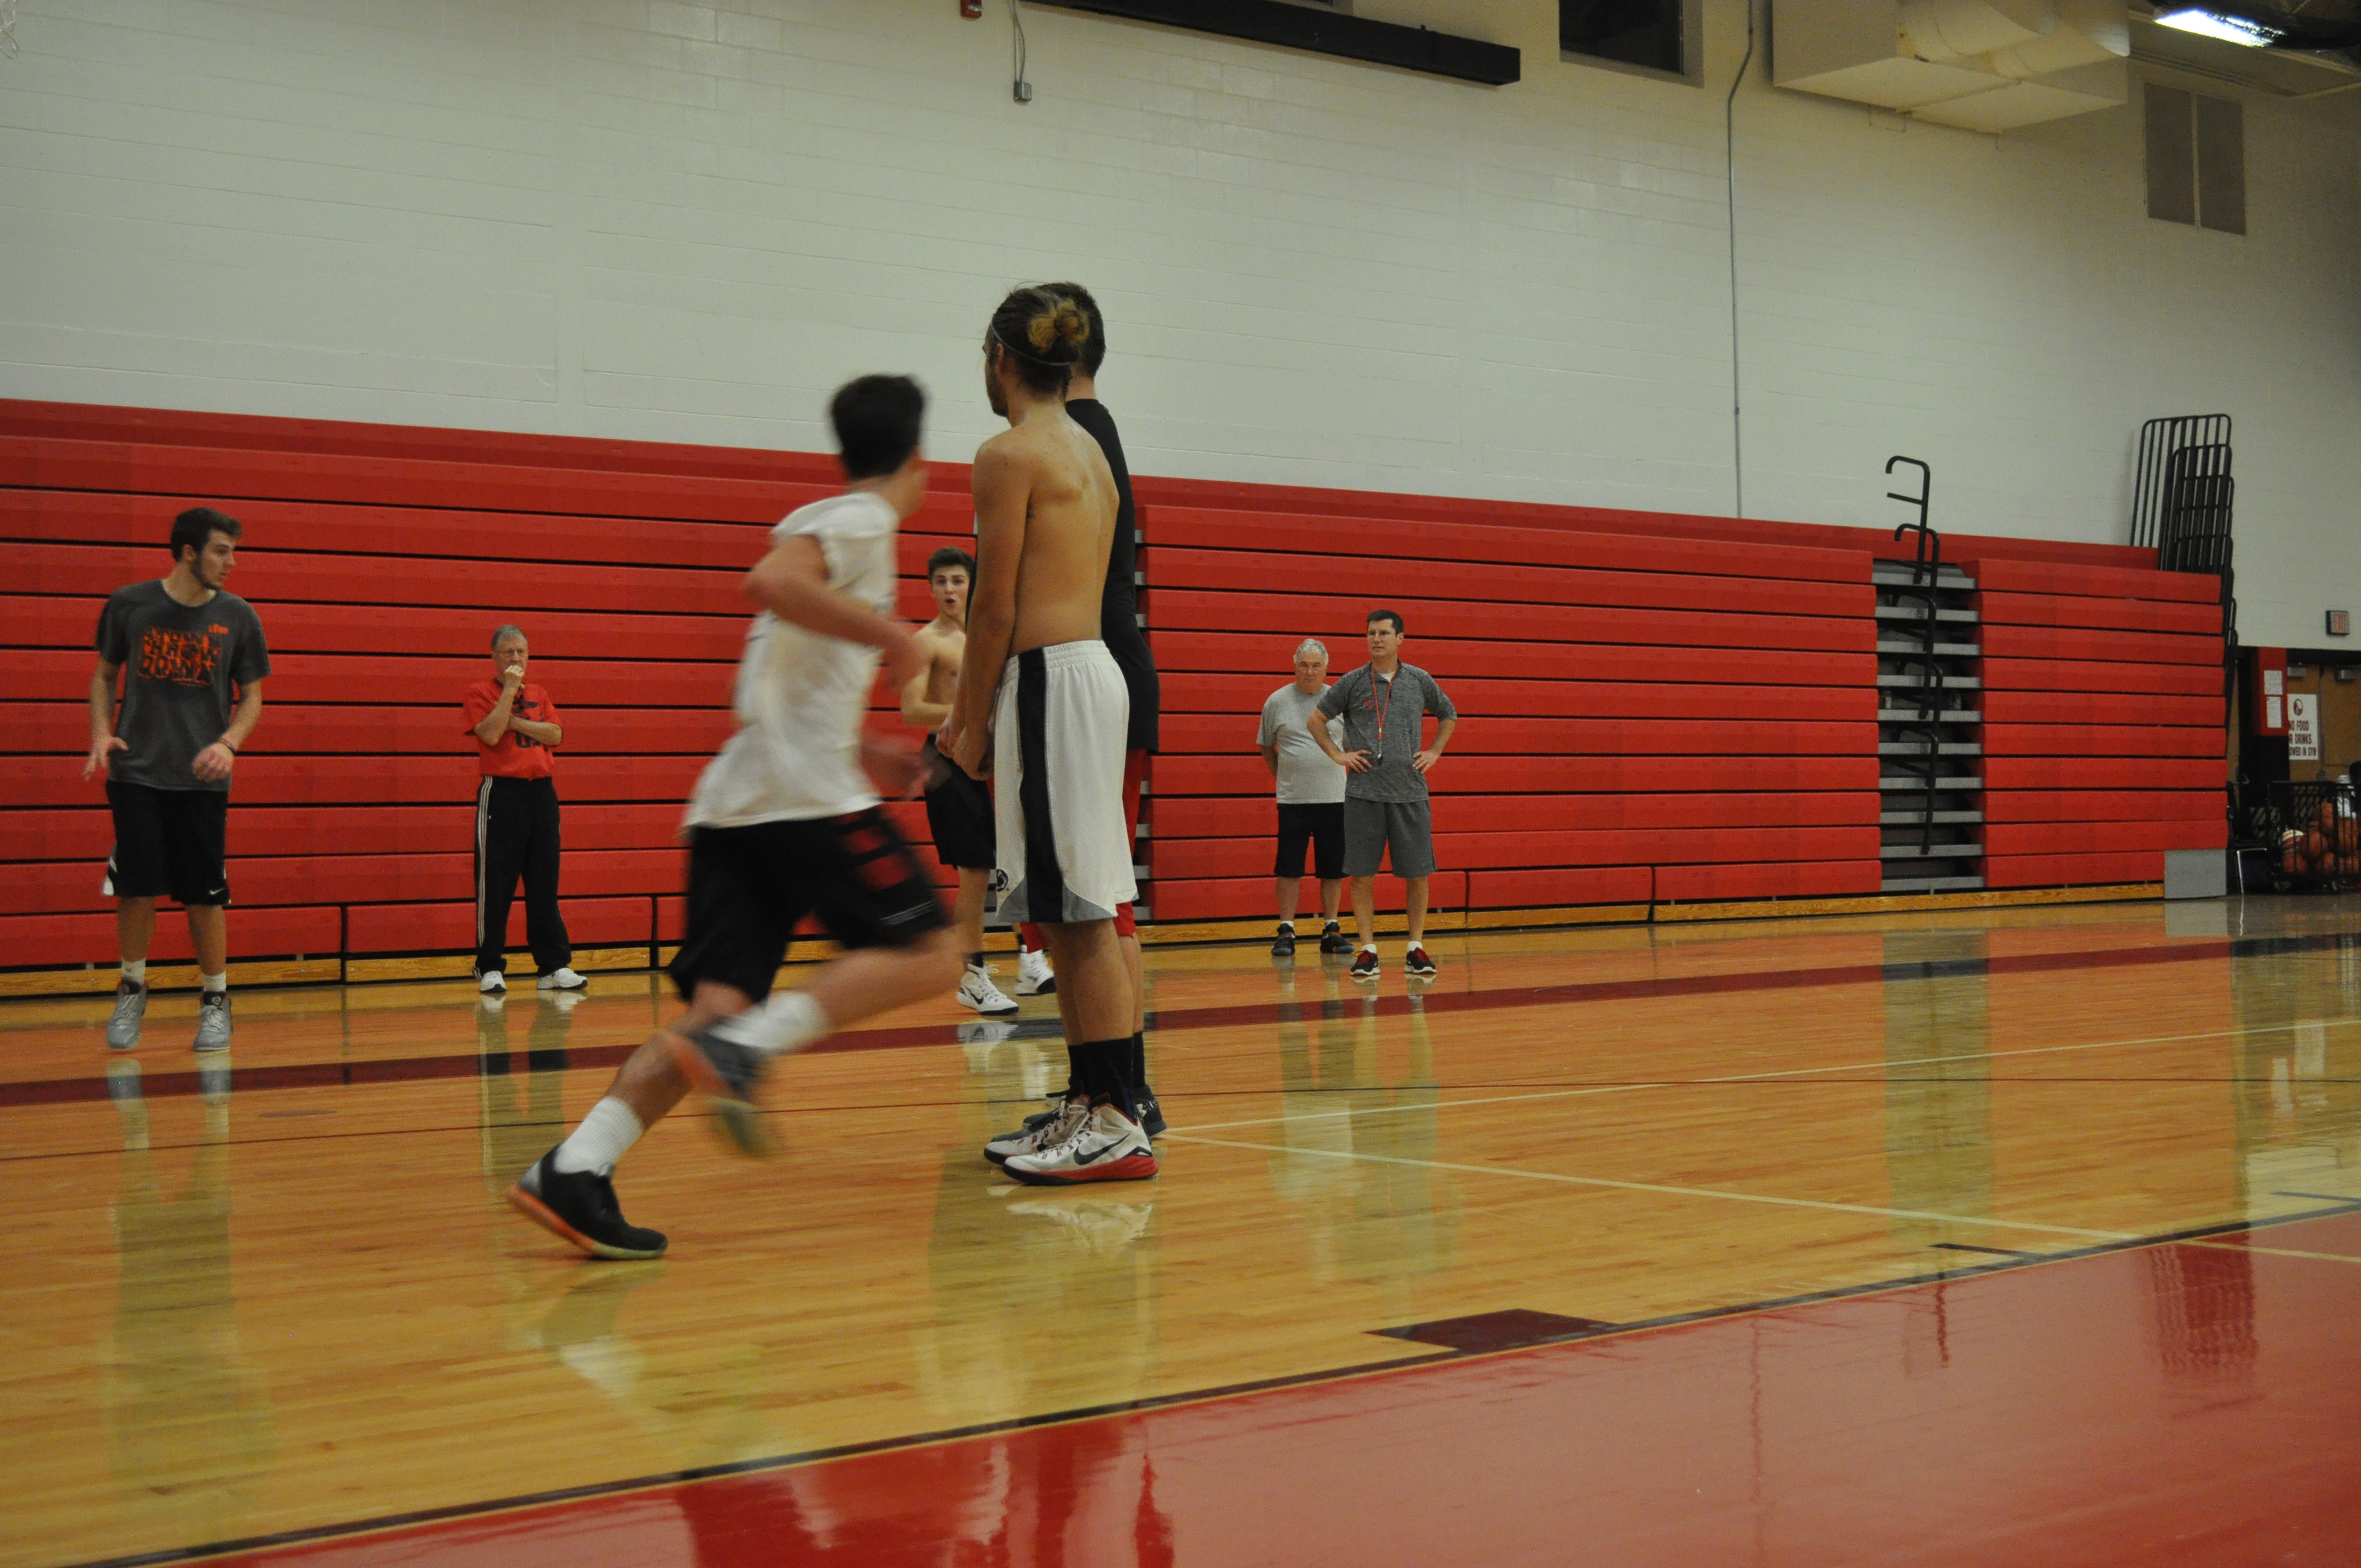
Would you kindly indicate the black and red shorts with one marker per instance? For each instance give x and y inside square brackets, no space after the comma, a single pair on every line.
[750,887]
[959,815]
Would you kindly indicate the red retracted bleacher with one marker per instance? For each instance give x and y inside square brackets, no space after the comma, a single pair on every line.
[2103,720]
[1656,708]
[380,560]
[1643,717]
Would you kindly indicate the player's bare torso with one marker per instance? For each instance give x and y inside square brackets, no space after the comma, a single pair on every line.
[1069,525]
[945,643]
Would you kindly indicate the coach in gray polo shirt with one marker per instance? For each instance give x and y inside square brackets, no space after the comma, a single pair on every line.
[1384,705]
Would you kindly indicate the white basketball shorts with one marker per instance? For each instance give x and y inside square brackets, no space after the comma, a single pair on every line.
[1057,772]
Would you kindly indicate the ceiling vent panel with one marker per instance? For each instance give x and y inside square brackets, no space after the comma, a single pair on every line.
[1985,65]
[1955,32]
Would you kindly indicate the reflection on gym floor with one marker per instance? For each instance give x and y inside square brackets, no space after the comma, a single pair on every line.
[286,1294]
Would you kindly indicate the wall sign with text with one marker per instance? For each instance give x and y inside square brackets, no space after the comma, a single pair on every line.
[2303,727]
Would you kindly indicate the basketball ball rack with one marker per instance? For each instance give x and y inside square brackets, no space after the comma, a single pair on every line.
[2319,842]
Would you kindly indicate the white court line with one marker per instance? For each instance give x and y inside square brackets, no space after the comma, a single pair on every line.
[1744,1077]
[1670,1191]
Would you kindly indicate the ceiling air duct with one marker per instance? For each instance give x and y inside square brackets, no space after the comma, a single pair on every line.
[1983,65]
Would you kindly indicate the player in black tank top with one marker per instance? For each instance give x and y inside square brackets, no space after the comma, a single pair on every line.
[1119,604]
[1119,630]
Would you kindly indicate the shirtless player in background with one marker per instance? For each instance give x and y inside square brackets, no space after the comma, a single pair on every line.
[959,809]
[1045,502]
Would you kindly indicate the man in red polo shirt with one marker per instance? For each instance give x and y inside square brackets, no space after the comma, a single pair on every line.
[517,732]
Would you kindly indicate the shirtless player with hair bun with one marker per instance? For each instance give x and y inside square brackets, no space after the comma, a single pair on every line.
[1042,707]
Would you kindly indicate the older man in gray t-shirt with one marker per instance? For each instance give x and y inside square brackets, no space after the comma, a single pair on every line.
[1384,705]
[1311,798]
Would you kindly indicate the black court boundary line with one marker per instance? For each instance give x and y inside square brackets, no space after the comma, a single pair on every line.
[390,1522]
[414,1069]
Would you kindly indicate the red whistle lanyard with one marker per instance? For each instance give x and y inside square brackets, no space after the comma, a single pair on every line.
[1380,707]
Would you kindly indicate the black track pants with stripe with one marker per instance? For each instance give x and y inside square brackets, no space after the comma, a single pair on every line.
[516,834]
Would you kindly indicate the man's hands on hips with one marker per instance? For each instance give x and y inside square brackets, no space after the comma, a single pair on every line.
[99,752]
[1425,759]
[215,762]
[1356,761]
[968,745]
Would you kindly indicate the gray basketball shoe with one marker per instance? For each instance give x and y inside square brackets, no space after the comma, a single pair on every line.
[130,1006]
[212,1022]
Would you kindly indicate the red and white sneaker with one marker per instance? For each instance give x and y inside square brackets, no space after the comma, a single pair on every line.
[1105,1146]
[1043,1129]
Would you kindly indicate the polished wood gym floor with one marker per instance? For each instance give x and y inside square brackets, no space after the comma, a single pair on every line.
[2006,1237]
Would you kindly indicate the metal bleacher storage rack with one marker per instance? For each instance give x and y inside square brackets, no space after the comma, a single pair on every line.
[1930,726]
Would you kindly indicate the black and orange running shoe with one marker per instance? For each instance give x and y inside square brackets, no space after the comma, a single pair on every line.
[580,1207]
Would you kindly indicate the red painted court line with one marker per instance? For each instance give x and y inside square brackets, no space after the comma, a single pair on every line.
[2173,1404]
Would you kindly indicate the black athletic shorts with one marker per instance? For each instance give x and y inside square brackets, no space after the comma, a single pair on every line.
[959,814]
[749,886]
[167,841]
[1321,828]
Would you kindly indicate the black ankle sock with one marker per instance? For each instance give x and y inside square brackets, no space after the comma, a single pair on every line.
[1103,1072]
[975,960]
[1138,1062]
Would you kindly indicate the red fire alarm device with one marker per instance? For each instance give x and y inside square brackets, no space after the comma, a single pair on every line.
[2340,623]
[2267,698]
[971,9]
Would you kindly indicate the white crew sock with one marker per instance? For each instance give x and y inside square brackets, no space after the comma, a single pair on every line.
[135,970]
[1368,947]
[600,1141]
[215,981]
[789,1021]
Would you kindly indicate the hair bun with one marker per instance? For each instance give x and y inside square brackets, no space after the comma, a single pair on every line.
[1061,326]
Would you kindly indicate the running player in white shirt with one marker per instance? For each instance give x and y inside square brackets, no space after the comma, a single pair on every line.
[785,823]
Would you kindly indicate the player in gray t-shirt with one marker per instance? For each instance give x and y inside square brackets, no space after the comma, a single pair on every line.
[192,659]
[1310,799]
[1384,705]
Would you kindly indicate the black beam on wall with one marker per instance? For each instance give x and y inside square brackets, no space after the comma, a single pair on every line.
[1347,37]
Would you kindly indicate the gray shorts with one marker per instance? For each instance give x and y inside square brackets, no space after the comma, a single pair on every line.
[1371,826]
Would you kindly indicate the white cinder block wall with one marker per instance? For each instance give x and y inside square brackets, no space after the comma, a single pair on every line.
[643,219]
